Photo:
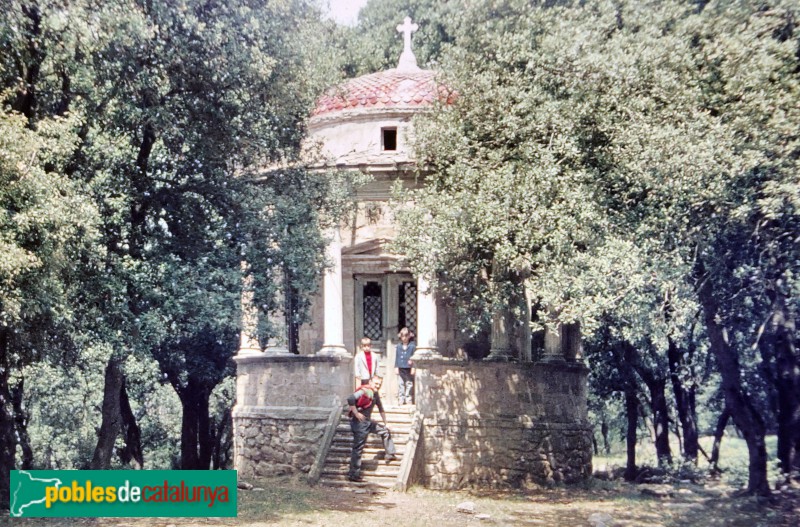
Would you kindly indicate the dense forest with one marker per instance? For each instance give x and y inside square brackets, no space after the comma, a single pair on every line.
[632,167]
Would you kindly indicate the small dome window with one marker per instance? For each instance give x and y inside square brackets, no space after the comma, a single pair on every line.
[389,139]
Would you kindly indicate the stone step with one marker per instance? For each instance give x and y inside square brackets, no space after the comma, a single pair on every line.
[345,484]
[344,458]
[404,425]
[376,472]
[392,410]
[368,471]
[369,452]
[391,417]
[373,441]
[396,430]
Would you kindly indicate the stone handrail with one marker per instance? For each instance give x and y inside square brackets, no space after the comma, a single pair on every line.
[410,453]
[327,439]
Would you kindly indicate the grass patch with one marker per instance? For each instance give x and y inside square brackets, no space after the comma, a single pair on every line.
[732,459]
[276,497]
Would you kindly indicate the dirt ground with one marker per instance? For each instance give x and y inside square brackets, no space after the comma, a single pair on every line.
[286,502]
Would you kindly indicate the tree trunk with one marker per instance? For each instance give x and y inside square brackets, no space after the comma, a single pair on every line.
[8,440]
[787,384]
[632,414]
[604,432]
[197,441]
[722,422]
[197,437]
[205,438]
[677,431]
[25,100]
[112,419]
[656,386]
[21,425]
[742,409]
[222,440]
[189,434]
[130,431]
[658,405]
[685,403]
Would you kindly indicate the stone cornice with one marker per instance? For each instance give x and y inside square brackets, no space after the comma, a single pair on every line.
[280,412]
[296,359]
[364,115]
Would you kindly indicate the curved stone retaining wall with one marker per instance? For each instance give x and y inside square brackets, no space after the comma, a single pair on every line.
[282,405]
[490,423]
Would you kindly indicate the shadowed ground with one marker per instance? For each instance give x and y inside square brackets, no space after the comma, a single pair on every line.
[288,502]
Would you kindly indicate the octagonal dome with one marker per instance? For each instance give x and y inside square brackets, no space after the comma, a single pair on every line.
[367,121]
[392,89]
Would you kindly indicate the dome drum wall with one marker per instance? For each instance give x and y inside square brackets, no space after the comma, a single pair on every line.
[358,138]
[348,122]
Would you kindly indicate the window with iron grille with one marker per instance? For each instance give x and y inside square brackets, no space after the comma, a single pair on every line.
[407,312]
[373,311]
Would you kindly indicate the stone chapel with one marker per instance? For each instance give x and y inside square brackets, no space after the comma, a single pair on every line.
[518,416]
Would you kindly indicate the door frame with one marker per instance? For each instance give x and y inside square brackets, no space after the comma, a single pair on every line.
[390,320]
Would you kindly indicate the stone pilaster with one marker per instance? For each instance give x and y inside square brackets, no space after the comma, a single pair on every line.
[553,347]
[333,341]
[278,343]
[552,344]
[525,352]
[427,328]
[571,341]
[248,340]
[501,342]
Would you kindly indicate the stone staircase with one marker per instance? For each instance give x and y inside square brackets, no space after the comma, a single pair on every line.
[376,472]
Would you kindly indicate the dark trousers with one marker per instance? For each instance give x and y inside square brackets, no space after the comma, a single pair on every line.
[362,429]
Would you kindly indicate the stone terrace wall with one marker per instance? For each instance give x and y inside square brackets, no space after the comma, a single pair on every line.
[490,423]
[282,405]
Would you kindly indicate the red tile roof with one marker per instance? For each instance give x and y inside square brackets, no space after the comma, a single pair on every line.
[386,89]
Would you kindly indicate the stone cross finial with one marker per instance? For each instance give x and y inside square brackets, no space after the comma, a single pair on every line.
[406,28]
[407,59]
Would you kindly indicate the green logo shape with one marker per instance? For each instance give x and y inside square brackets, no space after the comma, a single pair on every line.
[122,493]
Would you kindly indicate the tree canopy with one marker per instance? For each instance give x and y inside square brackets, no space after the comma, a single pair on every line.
[621,160]
[148,150]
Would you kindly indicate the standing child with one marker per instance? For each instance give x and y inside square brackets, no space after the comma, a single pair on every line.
[404,367]
[366,362]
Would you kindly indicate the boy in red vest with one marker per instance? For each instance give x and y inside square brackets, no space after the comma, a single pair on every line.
[361,404]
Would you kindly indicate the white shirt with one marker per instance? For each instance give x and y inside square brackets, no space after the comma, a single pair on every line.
[361,365]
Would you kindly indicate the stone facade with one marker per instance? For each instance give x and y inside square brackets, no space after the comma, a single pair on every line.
[282,406]
[489,423]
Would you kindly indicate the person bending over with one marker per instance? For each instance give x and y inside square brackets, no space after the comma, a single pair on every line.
[361,404]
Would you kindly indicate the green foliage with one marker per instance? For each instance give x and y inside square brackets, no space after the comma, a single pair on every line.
[47,224]
[583,150]
[617,158]
[374,44]
[149,157]
[63,402]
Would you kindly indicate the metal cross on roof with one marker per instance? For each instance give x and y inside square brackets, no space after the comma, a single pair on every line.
[407,59]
